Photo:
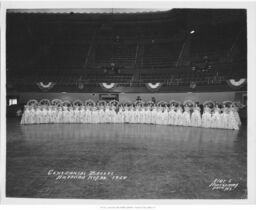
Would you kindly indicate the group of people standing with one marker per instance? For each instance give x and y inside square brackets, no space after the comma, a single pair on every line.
[167,114]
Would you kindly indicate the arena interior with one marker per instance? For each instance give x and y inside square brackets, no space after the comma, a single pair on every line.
[178,60]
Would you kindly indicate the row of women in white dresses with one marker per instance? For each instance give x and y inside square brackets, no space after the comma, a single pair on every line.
[227,117]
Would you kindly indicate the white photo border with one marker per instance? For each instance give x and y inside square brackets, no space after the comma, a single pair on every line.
[251,135]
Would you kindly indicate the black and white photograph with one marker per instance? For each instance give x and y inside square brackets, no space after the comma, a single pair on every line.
[126,103]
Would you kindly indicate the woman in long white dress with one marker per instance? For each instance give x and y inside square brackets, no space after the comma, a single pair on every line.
[37,114]
[31,114]
[75,114]
[88,114]
[232,122]
[94,114]
[112,114]
[216,118]
[44,114]
[54,114]
[235,110]
[171,115]
[179,113]
[165,115]
[186,119]
[140,114]
[101,114]
[154,113]
[224,117]
[59,115]
[144,114]
[136,114]
[159,119]
[130,114]
[122,114]
[148,114]
[206,117]
[196,119]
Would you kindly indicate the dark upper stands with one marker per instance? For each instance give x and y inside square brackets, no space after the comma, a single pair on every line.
[146,47]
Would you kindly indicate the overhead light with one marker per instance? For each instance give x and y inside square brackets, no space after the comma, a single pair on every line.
[192,31]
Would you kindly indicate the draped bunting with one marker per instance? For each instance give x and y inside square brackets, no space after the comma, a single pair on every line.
[108,86]
[154,86]
[45,86]
[236,84]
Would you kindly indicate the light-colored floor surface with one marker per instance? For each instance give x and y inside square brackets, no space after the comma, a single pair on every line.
[143,161]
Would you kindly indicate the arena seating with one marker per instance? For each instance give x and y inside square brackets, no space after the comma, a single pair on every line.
[160,55]
[123,54]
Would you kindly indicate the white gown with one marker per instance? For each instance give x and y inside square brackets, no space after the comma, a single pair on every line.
[206,118]
[24,116]
[224,118]
[216,118]
[232,122]
[60,115]
[153,118]
[130,115]
[196,119]
[101,115]
[237,117]
[186,120]
[165,117]
[126,115]
[178,119]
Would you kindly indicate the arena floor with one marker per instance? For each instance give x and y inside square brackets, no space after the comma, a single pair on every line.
[139,161]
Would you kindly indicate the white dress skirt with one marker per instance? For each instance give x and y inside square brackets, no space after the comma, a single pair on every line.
[148,116]
[171,116]
[126,115]
[55,115]
[116,117]
[76,116]
[136,116]
[112,115]
[232,123]
[26,117]
[130,116]
[216,119]
[206,119]
[101,116]
[59,116]
[144,116]
[237,117]
[154,114]
[80,114]
[159,120]
[122,114]
[44,116]
[224,119]
[94,116]
[178,119]
[165,117]
[196,119]
[83,116]
[186,121]
[88,116]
